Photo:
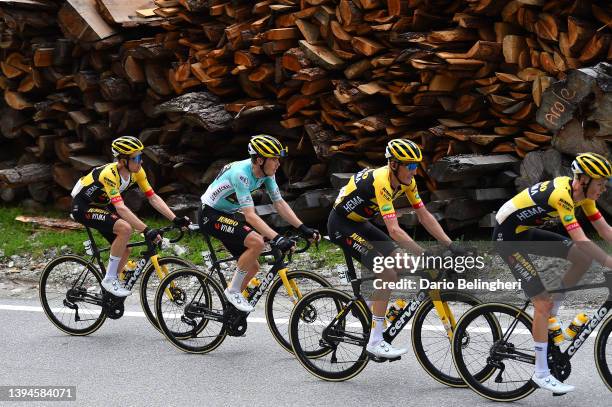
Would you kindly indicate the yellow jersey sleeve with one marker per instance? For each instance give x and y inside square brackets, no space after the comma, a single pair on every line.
[141,179]
[109,178]
[561,200]
[382,193]
[590,210]
[412,193]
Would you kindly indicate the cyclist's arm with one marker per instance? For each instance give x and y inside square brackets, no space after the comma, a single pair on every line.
[253,219]
[432,225]
[110,183]
[285,211]
[603,229]
[127,215]
[400,236]
[155,200]
[160,206]
[598,222]
[586,245]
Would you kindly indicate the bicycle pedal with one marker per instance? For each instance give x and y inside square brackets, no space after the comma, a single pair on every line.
[378,359]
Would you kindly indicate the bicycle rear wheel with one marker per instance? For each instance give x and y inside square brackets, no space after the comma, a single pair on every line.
[603,352]
[70,292]
[329,331]
[192,316]
[431,342]
[495,360]
[279,305]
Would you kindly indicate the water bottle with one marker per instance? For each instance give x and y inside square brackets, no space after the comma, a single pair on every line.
[251,287]
[395,309]
[554,331]
[575,326]
[88,248]
[127,271]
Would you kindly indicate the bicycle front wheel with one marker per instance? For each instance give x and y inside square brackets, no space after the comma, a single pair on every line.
[70,292]
[279,304]
[493,351]
[190,308]
[431,342]
[150,282]
[603,352]
[329,332]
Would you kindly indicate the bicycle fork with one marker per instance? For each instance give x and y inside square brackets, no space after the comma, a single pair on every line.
[291,286]
[162,271]
[444,313]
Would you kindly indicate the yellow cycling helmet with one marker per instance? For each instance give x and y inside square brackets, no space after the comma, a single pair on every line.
[126,145]
[266,146]
[594,165]
[403,150]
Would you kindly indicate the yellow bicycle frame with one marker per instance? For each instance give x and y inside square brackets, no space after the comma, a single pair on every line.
[161,271]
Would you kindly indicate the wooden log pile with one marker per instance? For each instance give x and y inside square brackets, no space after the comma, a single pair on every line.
[335,79]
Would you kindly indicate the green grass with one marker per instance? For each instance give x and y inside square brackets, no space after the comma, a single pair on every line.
[22,238]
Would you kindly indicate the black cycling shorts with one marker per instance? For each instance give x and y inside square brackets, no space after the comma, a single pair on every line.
[102,219]
[361,240]
[225,227]
[531,241]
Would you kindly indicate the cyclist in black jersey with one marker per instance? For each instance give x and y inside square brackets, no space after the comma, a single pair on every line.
[367,194]
[518,221]
[97,203]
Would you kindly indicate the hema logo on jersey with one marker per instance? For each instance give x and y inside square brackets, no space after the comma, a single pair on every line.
[352,203]
[528,213]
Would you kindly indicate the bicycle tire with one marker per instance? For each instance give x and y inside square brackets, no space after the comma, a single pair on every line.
[280,333]
[446,375]
[183,340]
[49,309]
[603,350]
[314,365]
[462,338]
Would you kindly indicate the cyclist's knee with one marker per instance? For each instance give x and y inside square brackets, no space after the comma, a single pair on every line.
[542,304]
[579,257]
[122,228]
[254,241]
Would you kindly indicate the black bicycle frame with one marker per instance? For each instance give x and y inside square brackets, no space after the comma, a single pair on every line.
[586,330]
[277,265]
[405,314]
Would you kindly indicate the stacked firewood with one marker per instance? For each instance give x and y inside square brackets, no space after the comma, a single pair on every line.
[335,79]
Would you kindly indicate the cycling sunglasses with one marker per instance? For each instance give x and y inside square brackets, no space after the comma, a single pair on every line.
[137,159]
[412,166]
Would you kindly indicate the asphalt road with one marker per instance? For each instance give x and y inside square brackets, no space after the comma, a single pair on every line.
[128,363]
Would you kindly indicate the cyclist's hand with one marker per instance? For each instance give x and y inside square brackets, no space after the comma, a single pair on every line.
[309,233]
[282,243]
[152,235]
[181,222]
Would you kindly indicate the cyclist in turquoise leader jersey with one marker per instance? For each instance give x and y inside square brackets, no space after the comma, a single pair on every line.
[231,192]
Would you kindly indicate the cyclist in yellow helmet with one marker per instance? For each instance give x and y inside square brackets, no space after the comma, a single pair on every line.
[229,193]
[97,203]
[368,193]
[518,221]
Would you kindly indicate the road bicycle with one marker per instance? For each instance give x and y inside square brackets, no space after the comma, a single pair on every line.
[503,351]
[196,317]
[72,295]
[329,329]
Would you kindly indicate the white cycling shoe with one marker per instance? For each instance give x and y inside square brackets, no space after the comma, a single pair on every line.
[551,384]
[384,350]
[115,288]
[238,301]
